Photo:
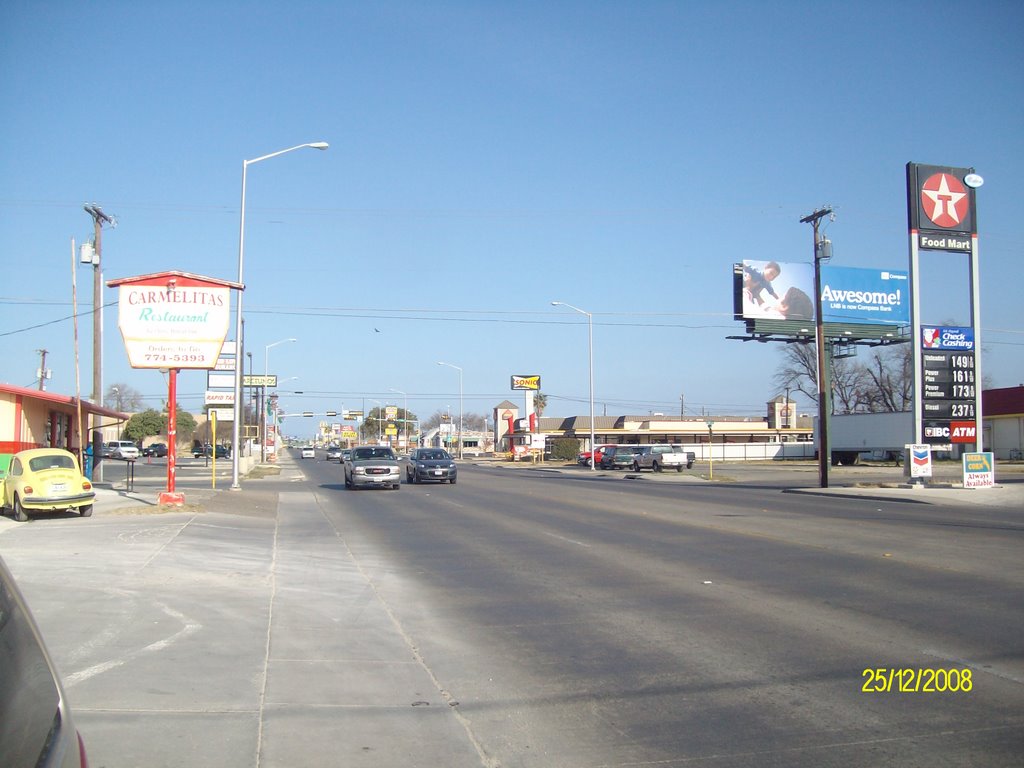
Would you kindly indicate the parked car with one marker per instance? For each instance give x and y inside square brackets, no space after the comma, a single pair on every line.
[123,449]
[37,728]
[372,465]
[584,457]
[308,452]
[660,456]
[158,450]
[205,449]
[46,480]
[430,464]
[619,456]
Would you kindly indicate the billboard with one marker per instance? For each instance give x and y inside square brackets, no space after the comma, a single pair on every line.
[777,291]
[853,295]
[771,290]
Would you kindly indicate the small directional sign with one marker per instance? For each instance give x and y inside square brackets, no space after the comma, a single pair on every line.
[259,381]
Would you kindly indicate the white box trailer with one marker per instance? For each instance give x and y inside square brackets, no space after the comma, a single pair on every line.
[852,435]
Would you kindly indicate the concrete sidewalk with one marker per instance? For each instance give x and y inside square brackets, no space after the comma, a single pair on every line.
[238,630]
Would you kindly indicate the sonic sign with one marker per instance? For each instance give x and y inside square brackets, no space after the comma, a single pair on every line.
[531,383]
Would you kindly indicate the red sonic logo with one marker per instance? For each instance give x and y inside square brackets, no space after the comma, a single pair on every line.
[945,200]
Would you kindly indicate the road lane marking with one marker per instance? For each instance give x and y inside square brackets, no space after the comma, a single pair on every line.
[570,541]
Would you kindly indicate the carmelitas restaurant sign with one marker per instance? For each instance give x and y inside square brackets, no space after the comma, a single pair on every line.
[173,319]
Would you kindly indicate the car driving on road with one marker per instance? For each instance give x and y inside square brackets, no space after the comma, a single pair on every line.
[372,465]
[430,464]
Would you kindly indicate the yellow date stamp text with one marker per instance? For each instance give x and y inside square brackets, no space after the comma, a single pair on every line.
[916,680]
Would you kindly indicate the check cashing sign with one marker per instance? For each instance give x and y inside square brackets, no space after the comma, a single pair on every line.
[173,319]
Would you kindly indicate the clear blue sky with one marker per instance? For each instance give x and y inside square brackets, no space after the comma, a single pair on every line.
[486,159]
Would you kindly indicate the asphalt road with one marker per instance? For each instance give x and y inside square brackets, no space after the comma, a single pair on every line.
[525,618]
[588,623]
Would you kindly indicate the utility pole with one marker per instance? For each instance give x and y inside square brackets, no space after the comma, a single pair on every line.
[822,250]
[42,369]
[99,218]
[682,403]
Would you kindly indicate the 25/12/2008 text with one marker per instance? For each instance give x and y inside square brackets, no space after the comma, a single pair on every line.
[917,680]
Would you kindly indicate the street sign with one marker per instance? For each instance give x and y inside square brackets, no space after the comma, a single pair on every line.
[219,398]
[220,380]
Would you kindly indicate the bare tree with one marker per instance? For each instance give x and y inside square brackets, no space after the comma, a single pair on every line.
[798,372]
[470,421]
[123,398]
[889,380]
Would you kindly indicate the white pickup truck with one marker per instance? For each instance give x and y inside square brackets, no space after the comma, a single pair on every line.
[661,456]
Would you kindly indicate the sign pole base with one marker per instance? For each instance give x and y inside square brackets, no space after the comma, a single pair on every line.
[171,499]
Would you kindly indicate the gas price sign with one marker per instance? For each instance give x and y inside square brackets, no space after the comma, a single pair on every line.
[949,387]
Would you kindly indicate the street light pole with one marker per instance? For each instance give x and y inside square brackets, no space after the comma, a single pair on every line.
[460,402]
[236,427]
[263,406]
[711,450]
[590,334]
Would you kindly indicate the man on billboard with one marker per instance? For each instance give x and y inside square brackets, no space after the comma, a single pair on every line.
[756,282]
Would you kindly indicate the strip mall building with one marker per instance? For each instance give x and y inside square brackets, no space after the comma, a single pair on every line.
[32,418]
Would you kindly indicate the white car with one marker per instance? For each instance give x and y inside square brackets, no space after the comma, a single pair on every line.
[308,452]
[123,449]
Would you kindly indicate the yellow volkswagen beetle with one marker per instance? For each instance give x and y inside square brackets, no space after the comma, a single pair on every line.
[46,480]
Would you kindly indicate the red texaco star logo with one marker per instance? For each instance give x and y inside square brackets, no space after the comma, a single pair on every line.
[944,200]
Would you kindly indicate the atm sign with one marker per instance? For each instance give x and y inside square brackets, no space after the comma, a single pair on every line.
[963,431]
